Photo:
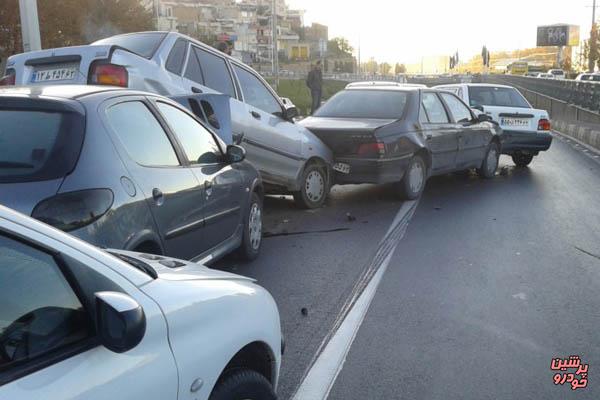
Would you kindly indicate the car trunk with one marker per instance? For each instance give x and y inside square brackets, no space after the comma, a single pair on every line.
[513,118]
[345,136]
[66,65]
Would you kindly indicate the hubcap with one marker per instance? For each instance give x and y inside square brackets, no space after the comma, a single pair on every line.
[415,177]
[255,226]
[492,160]
[315,186]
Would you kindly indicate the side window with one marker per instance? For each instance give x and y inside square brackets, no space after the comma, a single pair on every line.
[435,108]
[423,115]
[40,313]
[176,57]
[143,137]
[459,111]
[199,145]
[192,70]
[255,92]
[215,72]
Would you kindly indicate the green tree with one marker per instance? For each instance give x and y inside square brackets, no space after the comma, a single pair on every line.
[339,46]
[385,68]
[371,66]
[399,69]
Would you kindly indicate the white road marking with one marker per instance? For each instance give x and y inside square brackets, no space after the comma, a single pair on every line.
[324,371]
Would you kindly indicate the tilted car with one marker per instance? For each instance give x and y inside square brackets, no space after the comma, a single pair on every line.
[289,158]
[129,170]
[77,322]
[403,134]
[525,130]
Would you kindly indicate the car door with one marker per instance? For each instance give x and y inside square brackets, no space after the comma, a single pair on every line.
[48,345]
[160,171]
[274,145]
[440,132]
[472,136]
[222,182]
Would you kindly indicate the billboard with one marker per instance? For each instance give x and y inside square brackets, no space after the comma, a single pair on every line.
[558,35]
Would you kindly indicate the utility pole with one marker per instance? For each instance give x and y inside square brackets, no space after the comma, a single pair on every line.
[593,48]
[274,39]
[30,25]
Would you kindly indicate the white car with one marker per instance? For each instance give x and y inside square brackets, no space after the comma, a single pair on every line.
[289,158]
[77,322]
[588,76]
[525,130]
[545,75]
[557,73]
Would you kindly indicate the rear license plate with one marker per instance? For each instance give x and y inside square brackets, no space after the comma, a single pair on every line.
[341,167]
[518,122]
[57,74]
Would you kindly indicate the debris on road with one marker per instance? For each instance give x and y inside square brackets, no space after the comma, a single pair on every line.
[350,217]
[304,311]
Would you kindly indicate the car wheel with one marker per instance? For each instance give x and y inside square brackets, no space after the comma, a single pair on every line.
[252,238]
[490,162]
[522,160]
[414,179]
[243,384]
[314,188]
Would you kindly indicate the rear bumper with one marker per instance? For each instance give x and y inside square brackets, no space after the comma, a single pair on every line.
[378,171]
[529,142]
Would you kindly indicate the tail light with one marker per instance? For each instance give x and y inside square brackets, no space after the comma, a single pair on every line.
[74,210]
[9,79]
[108,74]
[544,125]
[374,149]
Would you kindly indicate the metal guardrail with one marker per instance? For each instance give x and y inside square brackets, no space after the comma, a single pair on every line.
[582,94]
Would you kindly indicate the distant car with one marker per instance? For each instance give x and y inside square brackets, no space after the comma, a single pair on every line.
[525,130]
[532,74]
[289,158]
[129,170]
[587,76]
[78,322]
[544,75]
[557,73]
[403,135]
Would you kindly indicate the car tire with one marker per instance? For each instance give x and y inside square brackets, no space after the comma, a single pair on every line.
[243,384]
[522,160]
[315,187]
[490,162]
[415,177]
[252,238]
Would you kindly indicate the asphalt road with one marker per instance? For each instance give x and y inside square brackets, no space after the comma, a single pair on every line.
[492,280]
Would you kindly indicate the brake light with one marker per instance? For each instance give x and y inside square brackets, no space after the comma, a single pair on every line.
[74,210]
[9,79]
[544,125]
[371,149]
[108,74]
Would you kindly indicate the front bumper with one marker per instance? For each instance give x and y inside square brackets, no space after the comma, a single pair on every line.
[525,142]
[380,171]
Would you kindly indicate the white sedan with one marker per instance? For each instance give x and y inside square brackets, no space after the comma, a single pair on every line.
[77,322]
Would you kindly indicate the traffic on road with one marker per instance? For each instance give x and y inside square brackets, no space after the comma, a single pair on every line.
[173,228]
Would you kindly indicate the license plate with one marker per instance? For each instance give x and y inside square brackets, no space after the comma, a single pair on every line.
[341,167]
[519,122]
[58,74]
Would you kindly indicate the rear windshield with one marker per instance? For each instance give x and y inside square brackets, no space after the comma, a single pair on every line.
[384,104]
[143,44]
[496,96]
[38,145]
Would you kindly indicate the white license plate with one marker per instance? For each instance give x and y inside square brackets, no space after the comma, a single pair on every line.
[58,74]
[519,122]
[341,167]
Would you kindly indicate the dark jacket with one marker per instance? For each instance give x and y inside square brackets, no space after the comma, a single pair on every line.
[315,79]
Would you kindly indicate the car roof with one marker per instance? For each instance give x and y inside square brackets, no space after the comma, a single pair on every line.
[382,83]
[398,88]
[65,92]
[472,85]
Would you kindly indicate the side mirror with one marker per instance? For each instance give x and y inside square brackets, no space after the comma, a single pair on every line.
[235,153]
[290,113]
[484,118]
[120,320]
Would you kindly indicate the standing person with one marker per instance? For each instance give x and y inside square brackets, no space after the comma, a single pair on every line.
[314,81]
[224,47]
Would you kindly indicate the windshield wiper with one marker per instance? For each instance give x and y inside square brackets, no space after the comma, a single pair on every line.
[142,266]
[14,164]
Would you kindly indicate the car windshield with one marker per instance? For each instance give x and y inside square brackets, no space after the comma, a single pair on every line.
[143,44]
[377,104]
[38,145]
[496,96]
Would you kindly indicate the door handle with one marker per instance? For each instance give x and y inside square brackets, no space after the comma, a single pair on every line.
[158,196]
[208,188]
[196,90]
[255,114]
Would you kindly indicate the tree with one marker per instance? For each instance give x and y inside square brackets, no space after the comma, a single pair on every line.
[592,48]
[385,68]
[371,66]
[567,64]
[74,22]
[339,46]
[400,69]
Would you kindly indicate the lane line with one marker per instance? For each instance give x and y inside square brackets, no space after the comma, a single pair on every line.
[331,355]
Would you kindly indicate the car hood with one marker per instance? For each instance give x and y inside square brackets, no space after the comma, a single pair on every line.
[172,269]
